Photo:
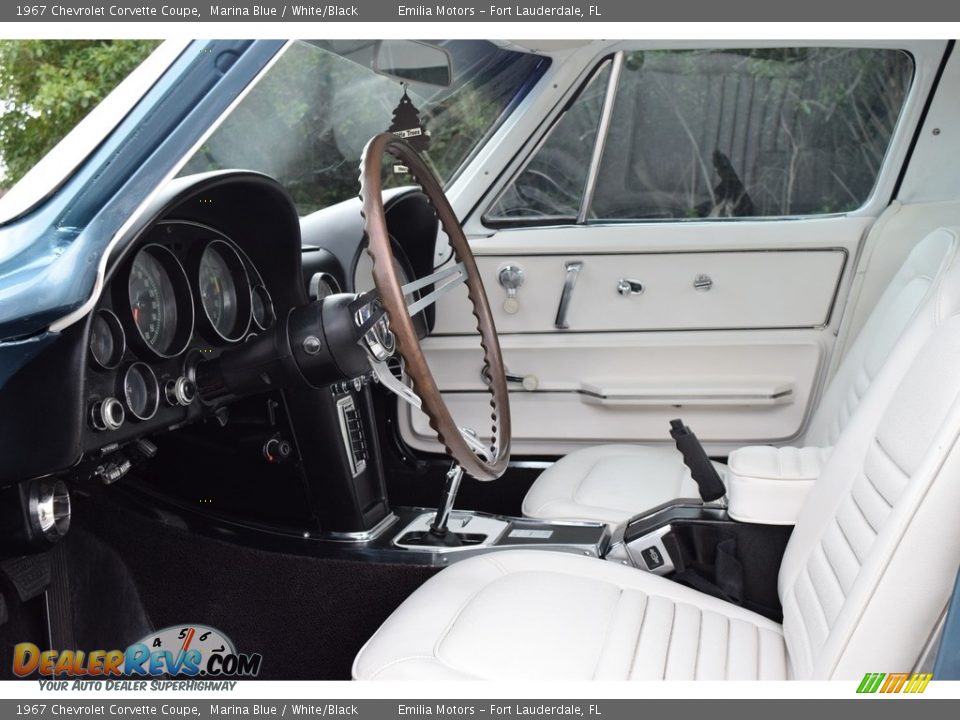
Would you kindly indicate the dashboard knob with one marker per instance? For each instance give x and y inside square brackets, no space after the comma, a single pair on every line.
[277,450]
[181,391]
[107,414]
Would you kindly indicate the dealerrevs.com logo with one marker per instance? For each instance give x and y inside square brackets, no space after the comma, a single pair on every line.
[180,650]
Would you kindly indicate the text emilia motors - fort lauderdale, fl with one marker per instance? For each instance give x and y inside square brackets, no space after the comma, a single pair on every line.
[571,11]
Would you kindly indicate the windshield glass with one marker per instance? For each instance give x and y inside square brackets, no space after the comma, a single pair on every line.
[307,120]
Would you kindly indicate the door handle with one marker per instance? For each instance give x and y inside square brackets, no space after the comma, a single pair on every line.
[529,382]
[569,282]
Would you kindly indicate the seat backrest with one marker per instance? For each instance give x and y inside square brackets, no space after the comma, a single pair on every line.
[872,559]
[899,303]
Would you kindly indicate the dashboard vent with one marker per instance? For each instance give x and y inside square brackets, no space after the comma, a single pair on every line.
[351,429]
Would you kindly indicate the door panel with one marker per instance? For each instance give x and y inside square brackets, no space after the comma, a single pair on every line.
[628,364]
[738,289]
[625,387]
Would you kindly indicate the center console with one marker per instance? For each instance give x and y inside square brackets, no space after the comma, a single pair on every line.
[479,532]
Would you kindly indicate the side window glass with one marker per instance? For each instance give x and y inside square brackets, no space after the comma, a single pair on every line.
[550,187]
[701,134]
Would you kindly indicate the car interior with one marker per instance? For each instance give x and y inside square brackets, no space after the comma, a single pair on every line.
[461,360]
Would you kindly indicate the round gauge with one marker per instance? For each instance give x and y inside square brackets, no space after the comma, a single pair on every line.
[224,290]
[107,341]
[263,313]
[160,303]
[141,391]
[323,285]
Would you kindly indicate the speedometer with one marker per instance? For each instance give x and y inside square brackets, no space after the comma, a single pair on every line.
[224,290]
[160,304]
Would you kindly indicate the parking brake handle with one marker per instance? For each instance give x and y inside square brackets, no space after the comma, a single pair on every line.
[694,457]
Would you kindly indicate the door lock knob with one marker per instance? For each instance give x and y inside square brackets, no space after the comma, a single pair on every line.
[626,286]
[511,278]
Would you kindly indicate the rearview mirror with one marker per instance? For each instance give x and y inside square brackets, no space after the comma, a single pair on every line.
[413,61]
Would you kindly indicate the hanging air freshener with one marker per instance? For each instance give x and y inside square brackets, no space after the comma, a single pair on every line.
[407,125]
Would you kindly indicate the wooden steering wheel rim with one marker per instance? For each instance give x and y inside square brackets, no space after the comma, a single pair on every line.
[391,296]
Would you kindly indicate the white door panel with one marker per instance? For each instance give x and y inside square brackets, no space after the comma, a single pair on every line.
[741,363]
[784,289]
[733,387]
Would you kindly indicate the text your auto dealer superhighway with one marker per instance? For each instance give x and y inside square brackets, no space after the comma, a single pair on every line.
[123,11]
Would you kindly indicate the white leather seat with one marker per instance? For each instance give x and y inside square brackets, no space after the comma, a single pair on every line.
[525,614]
[867,572]
[611,483]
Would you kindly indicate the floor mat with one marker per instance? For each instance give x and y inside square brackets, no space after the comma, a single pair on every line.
[307,616]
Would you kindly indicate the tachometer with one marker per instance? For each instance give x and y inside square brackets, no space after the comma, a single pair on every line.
[224,290]
[160,303]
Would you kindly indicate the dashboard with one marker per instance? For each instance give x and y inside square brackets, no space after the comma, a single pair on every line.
[211,263]
[187,291]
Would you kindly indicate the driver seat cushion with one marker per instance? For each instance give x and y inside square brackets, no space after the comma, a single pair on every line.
[545,615]
[612,483]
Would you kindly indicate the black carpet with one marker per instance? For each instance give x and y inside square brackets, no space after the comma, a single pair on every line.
[306,616]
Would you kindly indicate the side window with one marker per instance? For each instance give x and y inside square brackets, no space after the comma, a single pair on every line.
[739,133]
[551,185]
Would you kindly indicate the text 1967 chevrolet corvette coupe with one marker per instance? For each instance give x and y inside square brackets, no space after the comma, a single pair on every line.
[489,360]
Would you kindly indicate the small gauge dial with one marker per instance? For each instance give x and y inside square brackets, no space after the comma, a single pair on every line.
[107,341]
[263,313]
[160,303]
[141,391]
[224,290]
[323,285]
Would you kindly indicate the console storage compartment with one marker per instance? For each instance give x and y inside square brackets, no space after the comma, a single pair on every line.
[702,547]
[768,485]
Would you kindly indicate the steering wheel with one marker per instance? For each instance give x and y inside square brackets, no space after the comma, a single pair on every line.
[401,302]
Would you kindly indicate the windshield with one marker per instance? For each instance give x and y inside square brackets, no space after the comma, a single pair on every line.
[307,120]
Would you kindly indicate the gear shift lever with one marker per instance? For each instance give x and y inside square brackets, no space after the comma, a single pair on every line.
[439,535]
[439,526]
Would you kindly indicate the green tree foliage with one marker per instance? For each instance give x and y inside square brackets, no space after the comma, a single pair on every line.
[48,86]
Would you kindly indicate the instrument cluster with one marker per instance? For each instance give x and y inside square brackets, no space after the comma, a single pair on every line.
[187,293]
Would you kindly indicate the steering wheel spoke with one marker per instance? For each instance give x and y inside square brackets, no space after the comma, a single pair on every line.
[455,275]
[390,381]
[473,440]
